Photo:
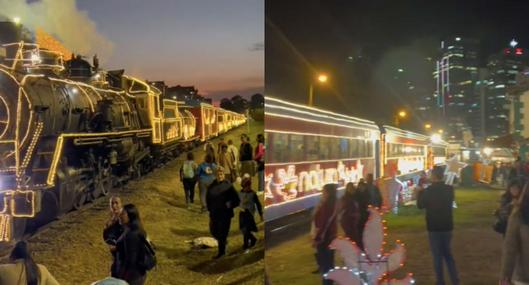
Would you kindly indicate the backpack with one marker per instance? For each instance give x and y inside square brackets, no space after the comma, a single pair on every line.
[188,170]
[148,261]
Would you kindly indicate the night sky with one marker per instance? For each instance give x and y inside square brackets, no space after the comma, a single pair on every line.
[218,46]
[362,44]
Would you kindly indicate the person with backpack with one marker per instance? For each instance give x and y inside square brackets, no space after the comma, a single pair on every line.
[507,202]
[23,270]
[324,230]
[131,249]
[189,178]
[249,203]
[113,230]
[221,199]
[206,175]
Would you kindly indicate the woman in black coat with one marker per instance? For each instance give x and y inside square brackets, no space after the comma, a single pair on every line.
[221,199]
[129,248]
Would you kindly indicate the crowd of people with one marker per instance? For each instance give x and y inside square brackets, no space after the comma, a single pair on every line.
[350,212]
[436,198]
[225,184]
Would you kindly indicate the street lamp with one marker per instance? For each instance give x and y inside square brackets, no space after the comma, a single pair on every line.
[322,78]
[427,126]
[16,20]
[400,115]
[440,131]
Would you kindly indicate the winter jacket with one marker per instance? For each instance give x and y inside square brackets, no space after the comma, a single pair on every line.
[221,199]
[250,202]
[15,273]
[515,256]
[128,254]
[245,152]
[438,200]
[325,223]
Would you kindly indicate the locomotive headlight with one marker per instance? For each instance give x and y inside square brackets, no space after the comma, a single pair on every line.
[97,76]
[35,58]
[75,90]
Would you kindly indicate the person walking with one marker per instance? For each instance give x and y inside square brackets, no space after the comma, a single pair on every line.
[209,149]
[515,255]
[362,199]
[188,176]
[113,230]
[350,214]
[507,203]
[129,248]
[260,159]
[324,229]
[375,198]
[220,144]
[206,175]
[23,270]
[249,203]
[245,157]
[234,152]
[226,161]
[438,200]
[221,199]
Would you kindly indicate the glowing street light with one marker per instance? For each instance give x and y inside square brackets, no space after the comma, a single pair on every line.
[402,114]
[322,78]
[440,131]
[427,126]
[436,138]
[16,20]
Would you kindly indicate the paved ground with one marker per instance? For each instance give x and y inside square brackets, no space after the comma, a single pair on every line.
[477,248]
[74,252]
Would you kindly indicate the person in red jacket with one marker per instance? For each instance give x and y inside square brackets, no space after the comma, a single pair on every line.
[259,158]
[324,230]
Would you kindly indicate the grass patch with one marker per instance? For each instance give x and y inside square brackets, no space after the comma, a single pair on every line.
[476,247]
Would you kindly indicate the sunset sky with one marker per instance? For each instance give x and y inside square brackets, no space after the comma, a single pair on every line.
[215,45]
[218,46]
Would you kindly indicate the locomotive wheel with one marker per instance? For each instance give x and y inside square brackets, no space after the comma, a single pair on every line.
[80,200]
[102,186]
[19,228]
[48,211]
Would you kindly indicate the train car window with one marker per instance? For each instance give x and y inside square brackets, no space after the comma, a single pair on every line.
[169,113]
[312,148]
[334,147]
[370,149]
[343,148]
[353,148]
[297,148]
[279,148]
[325,148]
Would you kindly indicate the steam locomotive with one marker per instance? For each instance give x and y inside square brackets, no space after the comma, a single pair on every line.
[70,131]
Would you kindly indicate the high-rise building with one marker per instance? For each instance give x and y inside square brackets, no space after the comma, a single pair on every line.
[503,68]
[455,76]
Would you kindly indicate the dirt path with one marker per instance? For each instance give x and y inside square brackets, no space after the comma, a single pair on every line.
[74,252]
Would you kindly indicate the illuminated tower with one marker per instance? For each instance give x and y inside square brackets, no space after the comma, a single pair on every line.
[455,75]
[503,68]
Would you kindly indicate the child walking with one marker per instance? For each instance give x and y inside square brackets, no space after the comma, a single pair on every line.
[249,202]
[189,178]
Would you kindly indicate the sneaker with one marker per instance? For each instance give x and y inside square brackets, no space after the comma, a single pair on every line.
[219,255]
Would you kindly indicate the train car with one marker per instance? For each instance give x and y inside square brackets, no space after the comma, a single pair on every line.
[69,132]
[206,116]
[309,147]
[222,121]
[404,153]
[437,153]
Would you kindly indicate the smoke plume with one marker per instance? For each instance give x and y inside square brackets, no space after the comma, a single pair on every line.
[63,20]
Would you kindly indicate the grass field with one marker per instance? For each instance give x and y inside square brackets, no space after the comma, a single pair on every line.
[73,250]
[476,247]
